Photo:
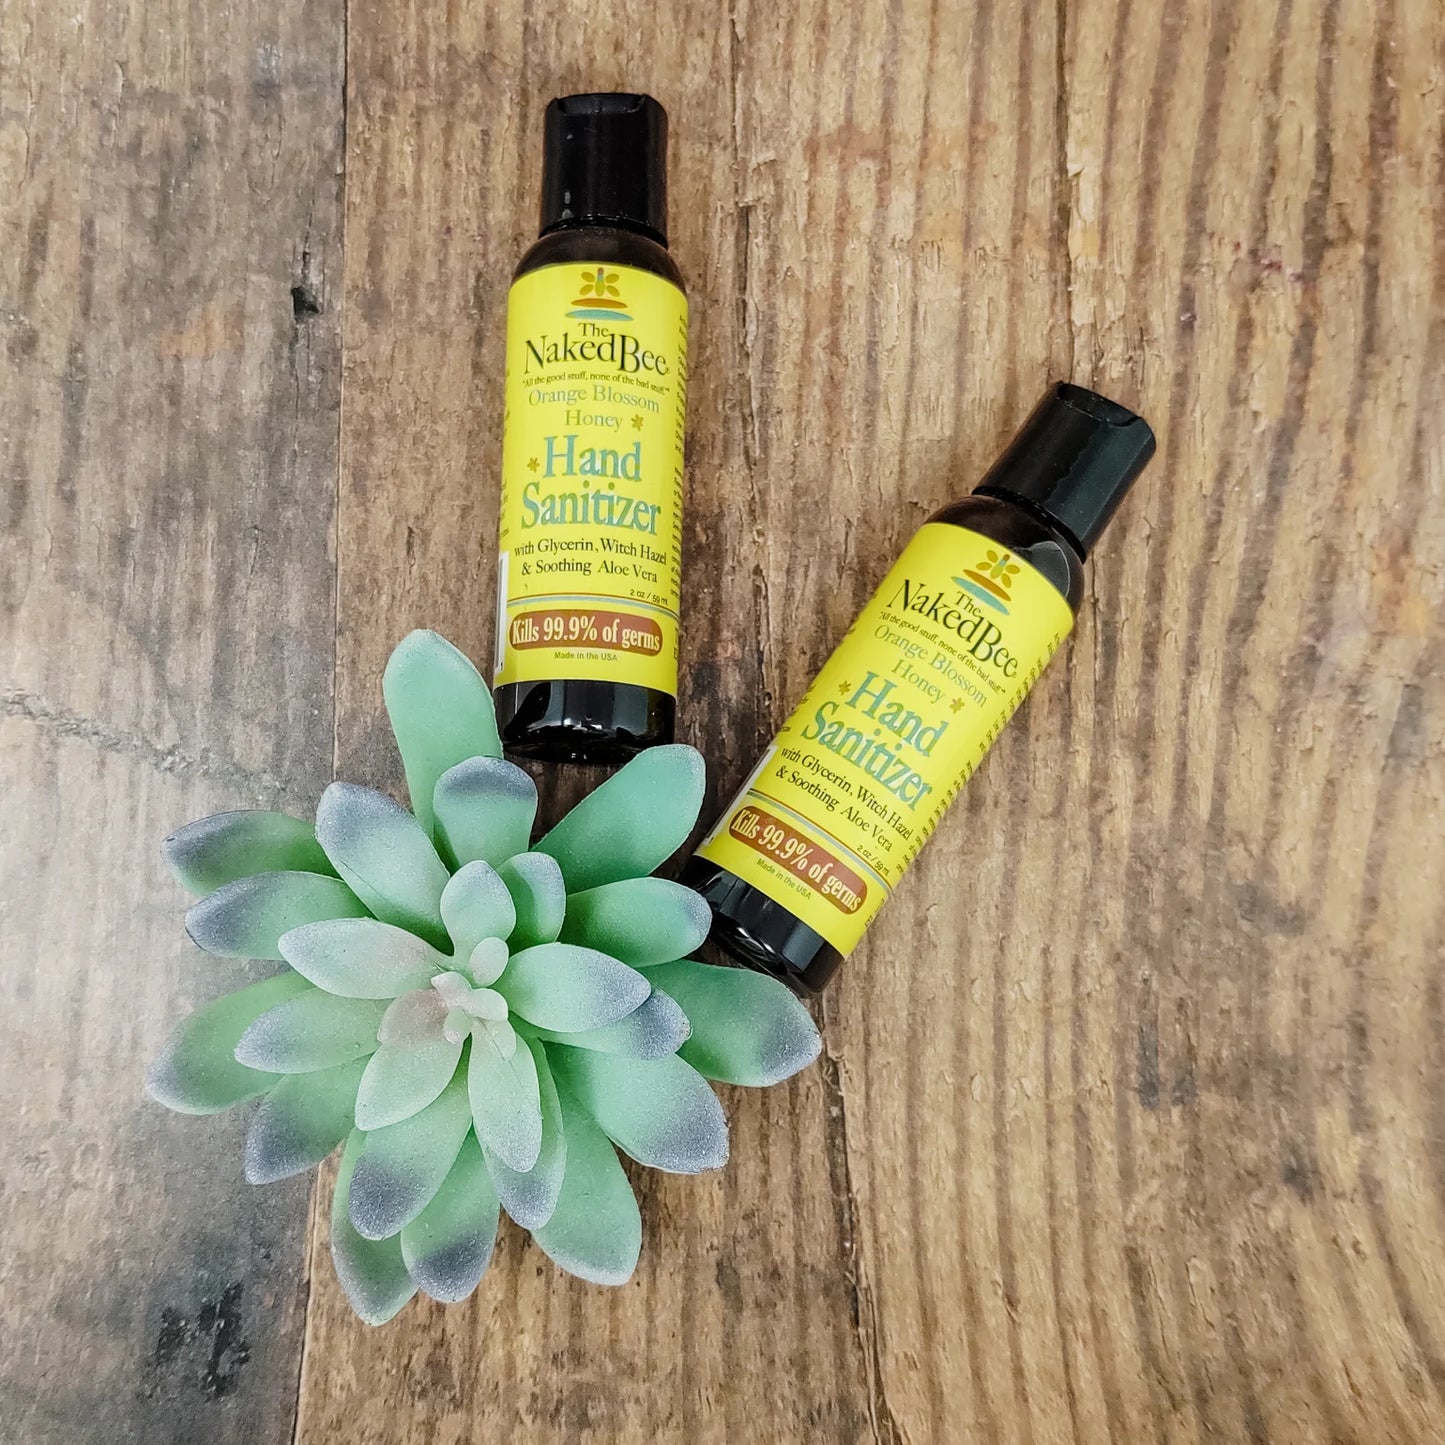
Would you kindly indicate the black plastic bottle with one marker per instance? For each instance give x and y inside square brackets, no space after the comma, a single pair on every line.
[591,515]
[909,702]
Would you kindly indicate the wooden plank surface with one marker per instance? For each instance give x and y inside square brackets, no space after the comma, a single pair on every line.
[1131,1121]
[169,173]
[536,1354]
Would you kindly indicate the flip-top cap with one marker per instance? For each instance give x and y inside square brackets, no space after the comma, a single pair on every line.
[1073,459]
[604,163]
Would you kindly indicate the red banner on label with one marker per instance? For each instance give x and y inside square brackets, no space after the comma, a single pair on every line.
[826,875]
[579,627]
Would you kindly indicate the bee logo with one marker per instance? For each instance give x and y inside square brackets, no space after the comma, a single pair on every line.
[600,299]
[991,579]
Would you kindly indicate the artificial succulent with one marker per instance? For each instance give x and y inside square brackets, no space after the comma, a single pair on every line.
[481,1021]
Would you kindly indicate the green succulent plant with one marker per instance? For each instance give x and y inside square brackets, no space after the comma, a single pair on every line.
[481,1021]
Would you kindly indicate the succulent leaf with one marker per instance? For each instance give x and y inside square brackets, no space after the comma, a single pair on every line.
[657,1026]
[403,1165]
[475,906]
[197,1071]
[487,1003]
[386,857]
[661,1112]
[372,1272]
[361,957]
[642,921]
[246,918]
[441,713]
[530,1196]
[413,1018]
[501,1033]
[539,895]
[402,1079]
[562,987]
[633,822]
[485,809]
[489,958]
[746,1028]
[300,1122]
[213,851]
[505,1098]
[312,1031]
[448,1246]
[595,1231]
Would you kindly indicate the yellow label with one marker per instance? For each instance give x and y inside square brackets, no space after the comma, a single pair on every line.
[591,525]
[890,730]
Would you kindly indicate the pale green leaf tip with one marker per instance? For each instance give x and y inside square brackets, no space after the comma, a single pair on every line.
[422,652]
[422,647]
[222,847]
[680,759]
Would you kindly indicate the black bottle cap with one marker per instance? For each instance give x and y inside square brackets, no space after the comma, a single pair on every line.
[1073,460]
[604,163]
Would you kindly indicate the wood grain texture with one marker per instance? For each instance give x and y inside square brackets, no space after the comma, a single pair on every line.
[1130,1124]
[537,1355]
[169,173]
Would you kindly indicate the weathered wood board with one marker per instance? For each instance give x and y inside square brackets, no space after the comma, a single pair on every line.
[168,425]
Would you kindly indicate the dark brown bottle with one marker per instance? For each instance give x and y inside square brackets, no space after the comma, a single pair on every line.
[910,701]
[591,518]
